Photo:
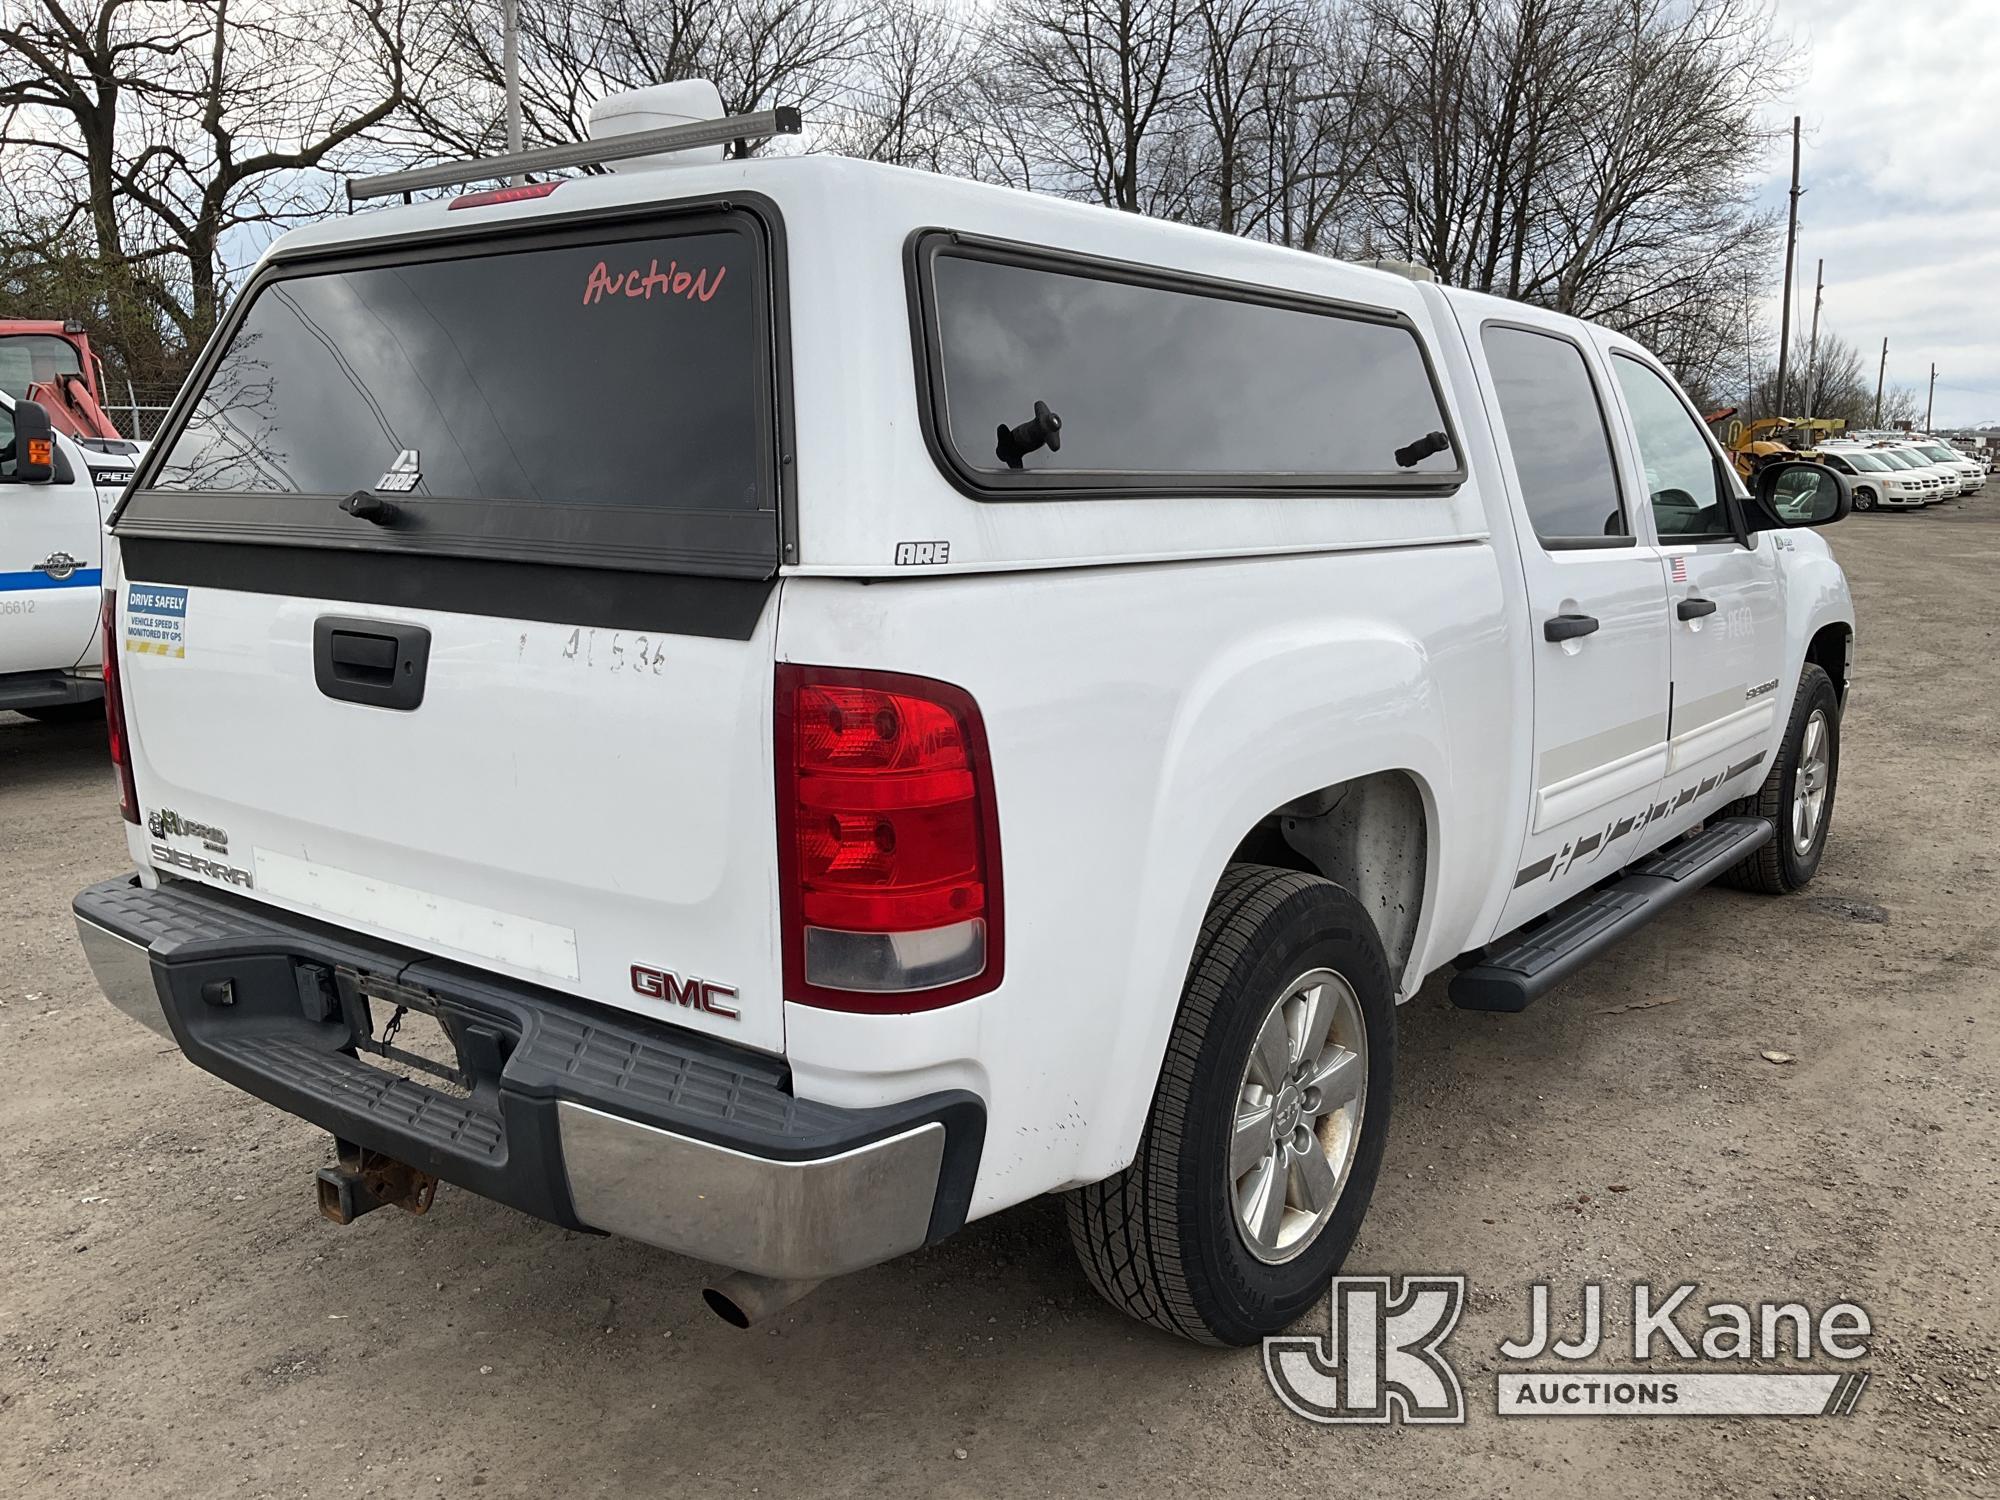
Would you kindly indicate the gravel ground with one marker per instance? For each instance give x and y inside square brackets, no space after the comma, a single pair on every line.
[176,1321]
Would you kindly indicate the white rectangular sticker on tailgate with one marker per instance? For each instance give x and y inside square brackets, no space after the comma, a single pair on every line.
[424,918]
[156,619]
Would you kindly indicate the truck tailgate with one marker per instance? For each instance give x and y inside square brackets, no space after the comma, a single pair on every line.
[582,807]
[448,604]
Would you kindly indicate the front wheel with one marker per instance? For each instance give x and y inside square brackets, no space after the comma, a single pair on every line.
[1864,499]
[1268,1123]
[1797,795]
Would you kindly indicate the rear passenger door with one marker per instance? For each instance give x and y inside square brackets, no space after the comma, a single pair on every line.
[1596,600]
[1726,608]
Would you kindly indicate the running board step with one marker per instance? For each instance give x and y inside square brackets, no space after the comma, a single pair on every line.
[1533,963]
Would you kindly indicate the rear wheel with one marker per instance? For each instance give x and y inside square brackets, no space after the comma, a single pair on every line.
[1267,1127]
[1797,795]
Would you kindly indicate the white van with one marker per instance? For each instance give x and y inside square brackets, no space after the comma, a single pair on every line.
[1876,480]
[1971,473]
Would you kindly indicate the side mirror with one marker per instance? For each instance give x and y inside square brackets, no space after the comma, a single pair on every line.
[34,455]
[1796,493]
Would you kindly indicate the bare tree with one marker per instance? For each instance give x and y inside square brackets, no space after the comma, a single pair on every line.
[758,53]
[1102,82]
[1589,155]
[1235,49]
[170,133]
[1842,386]
[907,99]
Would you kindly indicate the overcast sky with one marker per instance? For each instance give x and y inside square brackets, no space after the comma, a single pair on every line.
[1901,104]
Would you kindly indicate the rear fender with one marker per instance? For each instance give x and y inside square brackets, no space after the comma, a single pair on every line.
[1275,719]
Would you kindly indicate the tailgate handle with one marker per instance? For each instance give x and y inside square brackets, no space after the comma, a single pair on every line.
[376,662]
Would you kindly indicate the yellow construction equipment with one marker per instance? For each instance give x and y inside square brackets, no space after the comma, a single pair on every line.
[1751,445]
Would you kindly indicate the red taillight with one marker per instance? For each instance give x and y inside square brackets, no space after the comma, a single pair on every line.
[114,708]
[888,842]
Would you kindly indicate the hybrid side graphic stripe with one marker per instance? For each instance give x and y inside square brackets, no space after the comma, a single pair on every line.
[1741,766]
[1596,842]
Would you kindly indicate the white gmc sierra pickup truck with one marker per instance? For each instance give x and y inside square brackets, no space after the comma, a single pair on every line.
[776,707]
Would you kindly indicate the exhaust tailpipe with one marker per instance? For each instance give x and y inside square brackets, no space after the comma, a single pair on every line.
[740,1299]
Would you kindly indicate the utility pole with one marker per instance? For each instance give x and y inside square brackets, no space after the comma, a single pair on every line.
[1880,373]
[1749,347]
[1812,349]
[510,67]
[1791,245]
[1931,399]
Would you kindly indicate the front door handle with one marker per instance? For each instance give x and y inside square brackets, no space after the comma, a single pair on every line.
[1568,627]
[1694,609]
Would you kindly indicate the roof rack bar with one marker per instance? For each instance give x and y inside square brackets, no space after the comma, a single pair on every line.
[781,121]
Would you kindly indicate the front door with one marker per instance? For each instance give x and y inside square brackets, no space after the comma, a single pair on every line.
[1726,608]
[1596,600]
[51,556]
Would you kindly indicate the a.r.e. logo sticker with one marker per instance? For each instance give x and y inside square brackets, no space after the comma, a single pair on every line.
[156,619]
[403,474]
[920,554]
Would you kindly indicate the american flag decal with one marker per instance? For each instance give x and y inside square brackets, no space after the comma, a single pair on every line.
[1680,569]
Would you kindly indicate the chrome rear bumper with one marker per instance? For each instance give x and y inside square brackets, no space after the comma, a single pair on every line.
[794,1220]
[124,971]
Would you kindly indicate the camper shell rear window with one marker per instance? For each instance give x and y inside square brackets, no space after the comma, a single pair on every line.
[1162,382]
[602,395]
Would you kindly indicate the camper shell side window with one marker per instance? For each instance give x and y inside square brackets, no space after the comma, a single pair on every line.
[1044,374]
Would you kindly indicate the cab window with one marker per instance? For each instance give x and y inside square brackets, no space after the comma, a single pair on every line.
[35,358]
[1691,499]
[1555,430]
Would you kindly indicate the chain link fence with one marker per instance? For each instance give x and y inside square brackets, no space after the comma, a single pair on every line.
[140,412]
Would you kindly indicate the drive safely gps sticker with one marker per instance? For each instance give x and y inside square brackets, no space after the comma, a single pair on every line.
[156,619]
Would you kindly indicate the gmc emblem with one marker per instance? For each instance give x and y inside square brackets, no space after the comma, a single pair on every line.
[692,994]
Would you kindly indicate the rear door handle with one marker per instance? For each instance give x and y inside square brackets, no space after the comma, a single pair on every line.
[1568,627]
[376,662]
[1694,609]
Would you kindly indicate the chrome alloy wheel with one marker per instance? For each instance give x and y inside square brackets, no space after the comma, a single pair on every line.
[1810,782]
[1298,1115]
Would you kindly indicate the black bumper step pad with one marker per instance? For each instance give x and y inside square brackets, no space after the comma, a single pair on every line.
[522,1047]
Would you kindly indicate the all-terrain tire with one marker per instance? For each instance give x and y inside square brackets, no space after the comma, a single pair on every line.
[1781,865]
[1161,1239]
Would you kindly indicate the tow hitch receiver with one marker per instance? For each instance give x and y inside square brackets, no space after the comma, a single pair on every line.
[364,1181]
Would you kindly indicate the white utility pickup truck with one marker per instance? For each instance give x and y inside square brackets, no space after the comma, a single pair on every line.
[775,707]
[54,494]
